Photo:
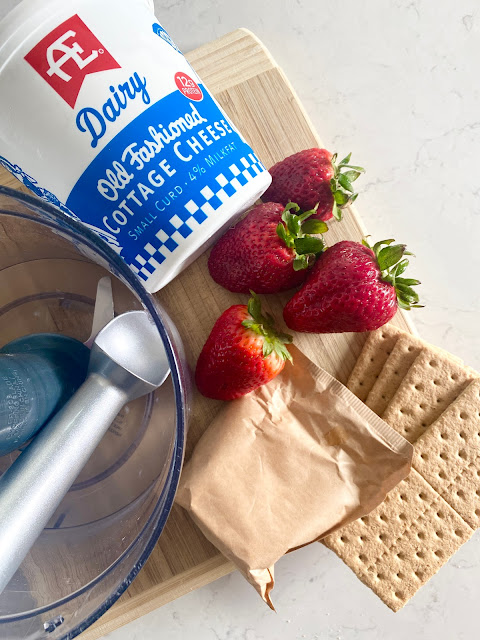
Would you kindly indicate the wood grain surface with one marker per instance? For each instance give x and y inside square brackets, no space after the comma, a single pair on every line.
[257,96]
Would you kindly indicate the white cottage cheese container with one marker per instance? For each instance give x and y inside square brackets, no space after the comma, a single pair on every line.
[102,115]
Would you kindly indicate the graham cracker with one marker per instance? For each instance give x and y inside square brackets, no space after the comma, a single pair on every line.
[400,545]
[448,454]
[373,356]
[432,383]
[407,348]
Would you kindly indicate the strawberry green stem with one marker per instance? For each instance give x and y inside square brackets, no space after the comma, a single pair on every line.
[274,341]
[296,232]
[344,174]
[392,264]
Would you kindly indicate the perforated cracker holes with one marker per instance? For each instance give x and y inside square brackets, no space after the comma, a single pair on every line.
[398,547]
[448,454]
[430,386]
[373,356]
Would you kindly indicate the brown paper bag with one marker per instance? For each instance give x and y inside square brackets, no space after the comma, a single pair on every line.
[287,465]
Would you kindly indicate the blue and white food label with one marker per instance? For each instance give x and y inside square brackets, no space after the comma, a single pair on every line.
[127,140]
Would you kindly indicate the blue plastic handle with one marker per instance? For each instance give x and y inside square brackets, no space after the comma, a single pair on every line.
[38,374]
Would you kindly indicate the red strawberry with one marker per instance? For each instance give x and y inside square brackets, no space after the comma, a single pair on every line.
[312,179]
[352,287]
[242,352]
[268,251]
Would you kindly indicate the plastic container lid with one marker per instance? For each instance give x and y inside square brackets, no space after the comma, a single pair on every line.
[24,17]
[7,6]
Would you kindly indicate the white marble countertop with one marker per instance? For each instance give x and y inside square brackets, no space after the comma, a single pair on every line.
[397,83]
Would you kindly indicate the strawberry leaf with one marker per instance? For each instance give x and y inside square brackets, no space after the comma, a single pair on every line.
[388,277]
[341,198]
[290,206]
[388,256]
[293,224]
[283,235]
[255,308]
[337,214]
[365,242]
[295,232]
[377,245]
[345,182]
[285,338]
[403,305]
[306,214]
[282,351]
[314,226]
[264,325]
[407,293]
[270,318]
[301,262]
[392,264]
[341,184]
[410,282]
[352,175]
[401,266]
[267,348]
[308,244]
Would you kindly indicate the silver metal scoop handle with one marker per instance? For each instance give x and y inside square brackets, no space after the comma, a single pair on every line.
[34,486]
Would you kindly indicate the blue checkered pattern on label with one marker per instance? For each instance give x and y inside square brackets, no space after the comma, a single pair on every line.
[210,198]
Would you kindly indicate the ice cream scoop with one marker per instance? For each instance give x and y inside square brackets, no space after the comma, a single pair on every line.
[40,372]
[127,360]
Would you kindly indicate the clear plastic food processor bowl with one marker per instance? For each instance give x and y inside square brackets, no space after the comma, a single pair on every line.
[110,520]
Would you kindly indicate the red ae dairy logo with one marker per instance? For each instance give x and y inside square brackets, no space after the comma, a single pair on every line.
[67,55]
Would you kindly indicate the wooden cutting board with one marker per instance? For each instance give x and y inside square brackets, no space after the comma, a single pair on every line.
[258,97]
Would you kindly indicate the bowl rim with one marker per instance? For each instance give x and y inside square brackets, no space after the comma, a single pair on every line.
[50,216]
